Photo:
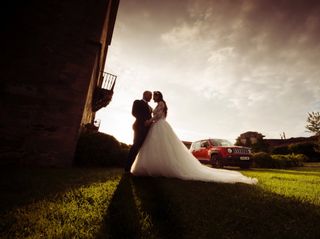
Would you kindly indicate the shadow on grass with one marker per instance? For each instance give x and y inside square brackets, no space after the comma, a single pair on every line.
[122,216]
[157,206]
[146,207]
[169,208]
[20,186]
[139,209]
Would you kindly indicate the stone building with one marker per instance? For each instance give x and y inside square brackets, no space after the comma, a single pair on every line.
[249,138]
[52,63]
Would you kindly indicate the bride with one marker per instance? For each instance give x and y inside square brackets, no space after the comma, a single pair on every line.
[163,154]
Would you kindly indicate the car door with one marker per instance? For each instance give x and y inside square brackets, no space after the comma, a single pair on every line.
[203,152]
[196,149]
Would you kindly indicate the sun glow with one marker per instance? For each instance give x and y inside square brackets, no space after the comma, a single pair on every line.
[116,122]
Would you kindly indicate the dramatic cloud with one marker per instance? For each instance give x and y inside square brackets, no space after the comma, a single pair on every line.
[224,66]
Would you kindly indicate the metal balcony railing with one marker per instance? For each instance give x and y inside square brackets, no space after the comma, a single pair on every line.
[109,81]
[103,94]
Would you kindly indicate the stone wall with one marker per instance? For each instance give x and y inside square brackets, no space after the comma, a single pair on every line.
[54,54]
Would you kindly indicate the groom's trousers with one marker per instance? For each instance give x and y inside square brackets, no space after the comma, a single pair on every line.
[138,139]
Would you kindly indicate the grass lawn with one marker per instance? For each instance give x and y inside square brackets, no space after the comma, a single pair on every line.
[104,203]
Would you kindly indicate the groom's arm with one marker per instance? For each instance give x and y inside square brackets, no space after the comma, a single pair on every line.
[136,109]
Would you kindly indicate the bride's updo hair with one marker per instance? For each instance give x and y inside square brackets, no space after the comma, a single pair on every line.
[160,98]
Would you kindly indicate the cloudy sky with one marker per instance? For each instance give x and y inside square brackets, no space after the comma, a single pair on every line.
[224,66]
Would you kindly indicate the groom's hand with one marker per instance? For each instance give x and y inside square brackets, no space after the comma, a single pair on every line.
[148,122]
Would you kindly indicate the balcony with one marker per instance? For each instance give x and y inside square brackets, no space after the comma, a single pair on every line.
[102,95]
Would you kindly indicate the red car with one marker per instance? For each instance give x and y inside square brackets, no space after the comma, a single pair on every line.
[220,153]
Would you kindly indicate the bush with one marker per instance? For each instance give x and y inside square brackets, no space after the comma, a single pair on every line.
[265,160]
[262,160]
[282,149]
[260,146]
[288,160]
[306,148]
[99,149]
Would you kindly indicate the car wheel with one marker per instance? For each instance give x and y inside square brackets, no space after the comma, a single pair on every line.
[216,161]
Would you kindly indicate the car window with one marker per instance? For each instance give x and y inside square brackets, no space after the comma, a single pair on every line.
[197,145]
[204,144]
[221,142]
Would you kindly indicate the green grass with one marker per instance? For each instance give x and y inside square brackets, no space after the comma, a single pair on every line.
[103,203]
[300,184]
[55,203]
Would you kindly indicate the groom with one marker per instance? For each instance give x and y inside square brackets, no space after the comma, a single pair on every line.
[142,112]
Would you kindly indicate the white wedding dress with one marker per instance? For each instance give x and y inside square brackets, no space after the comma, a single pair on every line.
[163,154]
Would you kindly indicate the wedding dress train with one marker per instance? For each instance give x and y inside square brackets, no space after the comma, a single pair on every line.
[163,154]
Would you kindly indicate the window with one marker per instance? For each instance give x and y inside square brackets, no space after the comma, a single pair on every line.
[220,142]
[204,144]
[197,145]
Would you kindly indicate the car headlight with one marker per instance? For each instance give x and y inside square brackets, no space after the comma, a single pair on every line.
[229,151]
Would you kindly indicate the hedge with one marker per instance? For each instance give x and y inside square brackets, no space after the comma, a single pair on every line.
[265,160]
[307,148]
[99,149]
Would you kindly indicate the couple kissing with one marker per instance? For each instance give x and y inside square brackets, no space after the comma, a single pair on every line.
[158,152]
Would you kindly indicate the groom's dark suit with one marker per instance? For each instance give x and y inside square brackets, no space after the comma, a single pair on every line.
[142,112]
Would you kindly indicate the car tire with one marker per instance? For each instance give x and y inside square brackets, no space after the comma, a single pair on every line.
[216,161]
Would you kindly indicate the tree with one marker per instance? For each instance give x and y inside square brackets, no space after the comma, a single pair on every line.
[313,121]
[313,126]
